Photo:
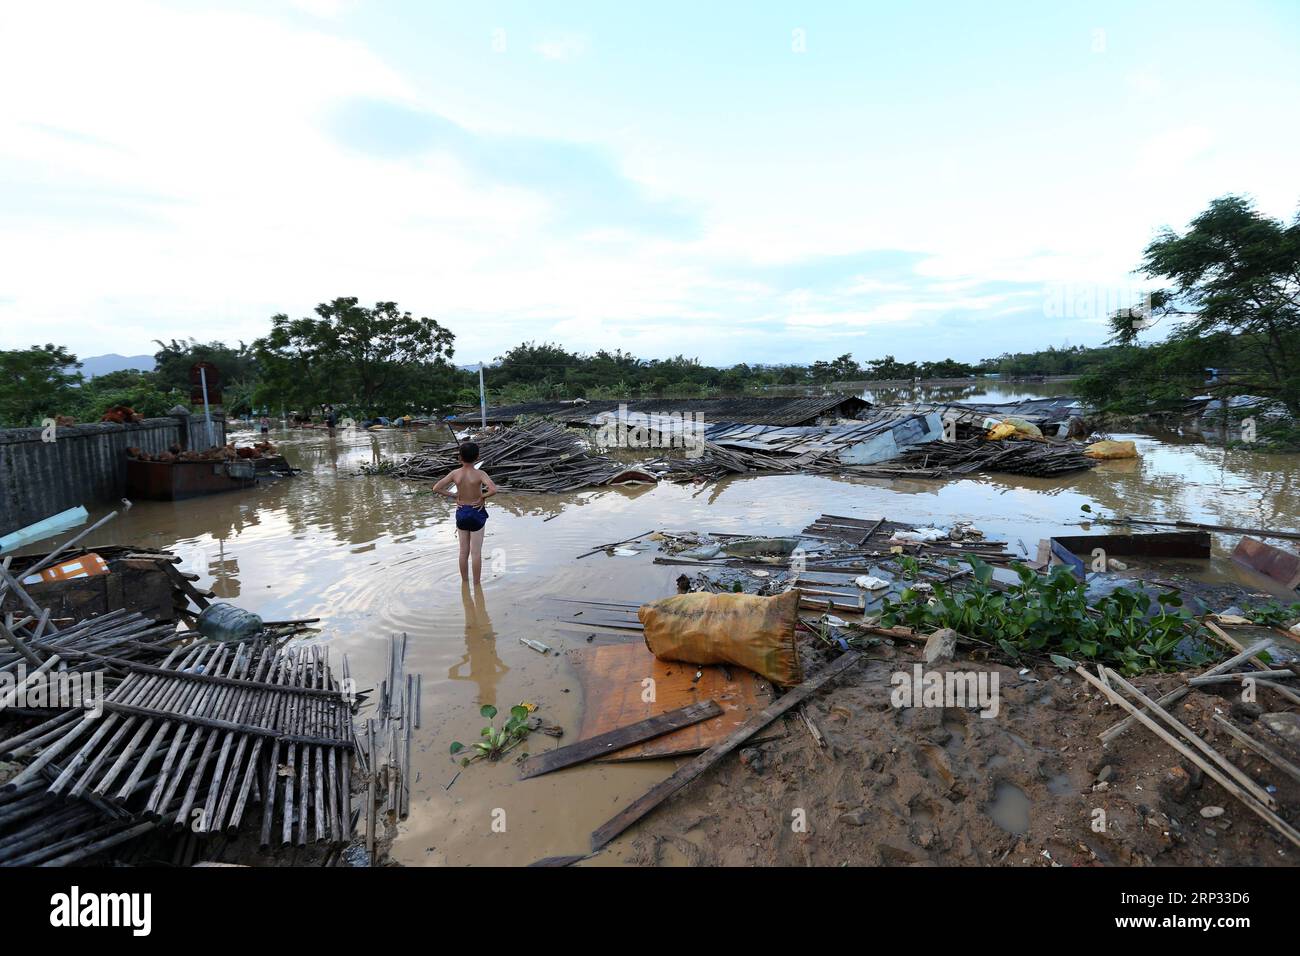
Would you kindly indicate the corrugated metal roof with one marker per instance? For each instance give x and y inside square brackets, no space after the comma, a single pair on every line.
[759,411]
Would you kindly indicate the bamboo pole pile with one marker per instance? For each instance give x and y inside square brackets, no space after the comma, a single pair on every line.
[190,744]
[383,745]
[945,459]
[716,461]
[534,456]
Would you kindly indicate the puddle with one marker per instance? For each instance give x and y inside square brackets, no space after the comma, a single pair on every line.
[1060,785]
[1010,808]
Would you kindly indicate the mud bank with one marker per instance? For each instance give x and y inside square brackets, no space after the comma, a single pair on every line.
[943,786]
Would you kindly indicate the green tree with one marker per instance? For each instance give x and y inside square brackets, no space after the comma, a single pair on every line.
[377,360]
[36,383]
[1234,271]
[138,390]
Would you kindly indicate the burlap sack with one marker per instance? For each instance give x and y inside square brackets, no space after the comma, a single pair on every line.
[741,629]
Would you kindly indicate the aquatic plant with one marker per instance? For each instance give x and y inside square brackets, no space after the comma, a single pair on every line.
[1273,614]
[497,741]
[1052,614]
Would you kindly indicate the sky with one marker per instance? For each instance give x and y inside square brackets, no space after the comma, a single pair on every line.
[742,182]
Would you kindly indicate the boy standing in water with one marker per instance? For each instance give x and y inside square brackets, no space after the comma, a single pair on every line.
[473,488]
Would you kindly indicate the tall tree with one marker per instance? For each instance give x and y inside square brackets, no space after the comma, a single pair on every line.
[378,360]
[37,382]
[1233,271]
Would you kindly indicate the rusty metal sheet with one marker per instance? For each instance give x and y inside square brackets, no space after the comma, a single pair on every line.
[1269,561]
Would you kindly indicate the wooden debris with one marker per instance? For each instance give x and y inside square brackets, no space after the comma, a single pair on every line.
[1210,770]
[387,747]
[534,456]
[1263,750]
[947,459]
[1106,736]
[611,741]
[1198,526]
[612,677]
[657,794]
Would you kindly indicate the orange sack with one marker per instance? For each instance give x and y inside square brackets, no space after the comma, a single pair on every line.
[742,629]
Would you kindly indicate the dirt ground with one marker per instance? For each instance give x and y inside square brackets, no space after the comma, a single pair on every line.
[944,786]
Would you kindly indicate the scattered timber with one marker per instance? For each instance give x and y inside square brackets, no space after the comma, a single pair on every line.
[1038,458]
[657,794]
[385,750]
[1210,769]
[537,456]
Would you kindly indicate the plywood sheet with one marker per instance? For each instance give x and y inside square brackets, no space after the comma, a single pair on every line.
[612,676]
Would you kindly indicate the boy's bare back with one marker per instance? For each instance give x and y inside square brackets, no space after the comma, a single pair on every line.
[469,482]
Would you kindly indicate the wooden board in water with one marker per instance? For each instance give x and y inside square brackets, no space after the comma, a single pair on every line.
[611,678]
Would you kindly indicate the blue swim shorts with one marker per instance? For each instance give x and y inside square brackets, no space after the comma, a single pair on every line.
[470,518]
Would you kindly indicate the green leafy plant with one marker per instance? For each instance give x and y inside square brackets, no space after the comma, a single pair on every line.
[1273,614]
[1051,615]
[497,741]
[910,568]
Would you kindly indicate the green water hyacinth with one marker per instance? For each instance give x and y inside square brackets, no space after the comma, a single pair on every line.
[1051,614]
[497,741]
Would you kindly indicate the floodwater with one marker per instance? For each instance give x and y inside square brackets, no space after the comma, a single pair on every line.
[373,556]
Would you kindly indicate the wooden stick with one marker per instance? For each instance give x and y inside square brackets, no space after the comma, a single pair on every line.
[1174,696]
[613,544]
[1228,678]
[1212,772]
[1258,532]
[1265,751]
[1255,790]
[613,740]
[685,774]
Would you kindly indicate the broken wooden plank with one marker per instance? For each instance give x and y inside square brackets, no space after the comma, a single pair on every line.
[615,679]
[657,794]
[1159,544]
[183,583]
[607,743]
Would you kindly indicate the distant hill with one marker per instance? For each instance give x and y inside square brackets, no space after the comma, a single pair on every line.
[103,364]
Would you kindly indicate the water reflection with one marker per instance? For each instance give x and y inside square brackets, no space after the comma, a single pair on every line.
[485,666]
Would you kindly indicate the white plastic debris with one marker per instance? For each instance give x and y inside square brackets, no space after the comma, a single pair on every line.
[923,535]
[870,583]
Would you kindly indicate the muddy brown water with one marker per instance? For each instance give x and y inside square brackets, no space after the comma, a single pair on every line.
[373,556]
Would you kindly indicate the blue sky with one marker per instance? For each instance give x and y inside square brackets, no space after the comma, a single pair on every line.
[757,182]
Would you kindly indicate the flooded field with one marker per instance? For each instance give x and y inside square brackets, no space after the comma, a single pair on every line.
[374,555]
